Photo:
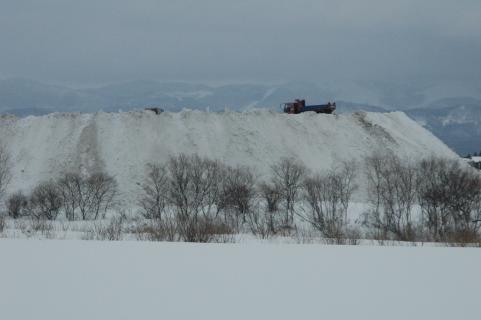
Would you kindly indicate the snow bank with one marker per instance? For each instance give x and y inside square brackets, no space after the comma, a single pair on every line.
[122,143]
[121,280]
[476,159]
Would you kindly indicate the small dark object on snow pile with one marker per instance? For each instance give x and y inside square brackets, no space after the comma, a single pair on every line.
[156,110]
[299,106]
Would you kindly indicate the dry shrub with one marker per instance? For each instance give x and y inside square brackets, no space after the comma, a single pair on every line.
[156,230]
[112,231]
[46,228]
[32,227]
[168,230]
[222,233]
[202,230]
[23,226]
[262,223]
[306,236]
[464,238]
[89,234]
[3,223]
[41,225]
[224,238]
[64,226]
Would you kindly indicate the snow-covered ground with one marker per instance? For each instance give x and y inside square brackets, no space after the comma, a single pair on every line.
[59,280]
[131,228]
[122,143]
[476,159]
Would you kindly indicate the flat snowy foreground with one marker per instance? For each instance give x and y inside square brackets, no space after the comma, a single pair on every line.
[139,280]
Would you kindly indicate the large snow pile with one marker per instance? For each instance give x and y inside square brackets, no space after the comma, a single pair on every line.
[60,280]
[122,143]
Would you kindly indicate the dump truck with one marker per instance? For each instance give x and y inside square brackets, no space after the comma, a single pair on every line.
[299,106]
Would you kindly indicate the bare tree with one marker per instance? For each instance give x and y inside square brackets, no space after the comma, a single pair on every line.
[392,194]
[263,218]
[157,230]
[5,171]
[450,199]
[328,196]
[211,180]
[262,222]
[238,193]
[271,196]
[87,197]
[46,201]
[186,193]
[288,175]
[193,188]
[102,190]
[71,189]
[433,195]
[154,196]
[17,205]
[346,173]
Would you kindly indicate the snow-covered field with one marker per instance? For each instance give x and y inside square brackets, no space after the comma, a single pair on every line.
[123,143]
[60,280]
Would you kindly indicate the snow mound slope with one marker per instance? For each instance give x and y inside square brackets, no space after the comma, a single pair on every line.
[123,143]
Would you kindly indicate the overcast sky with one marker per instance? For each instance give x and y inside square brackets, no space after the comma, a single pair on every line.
[97,41]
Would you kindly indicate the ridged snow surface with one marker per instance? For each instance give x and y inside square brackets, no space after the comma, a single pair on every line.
[123,143]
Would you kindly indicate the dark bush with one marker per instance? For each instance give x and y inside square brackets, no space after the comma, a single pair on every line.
[46,201]
[17,205]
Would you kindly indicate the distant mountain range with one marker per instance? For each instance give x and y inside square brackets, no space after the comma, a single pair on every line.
[450,111]
[457,122]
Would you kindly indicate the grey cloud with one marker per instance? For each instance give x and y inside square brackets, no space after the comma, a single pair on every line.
[95,41]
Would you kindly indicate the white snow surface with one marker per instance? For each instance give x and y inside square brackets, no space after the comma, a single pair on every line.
[476,159]
[123,143]
[78,280]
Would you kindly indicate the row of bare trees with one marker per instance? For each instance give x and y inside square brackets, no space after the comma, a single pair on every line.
[77,196]
[320,199]
[434,199]
[194,192]
[200,195]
